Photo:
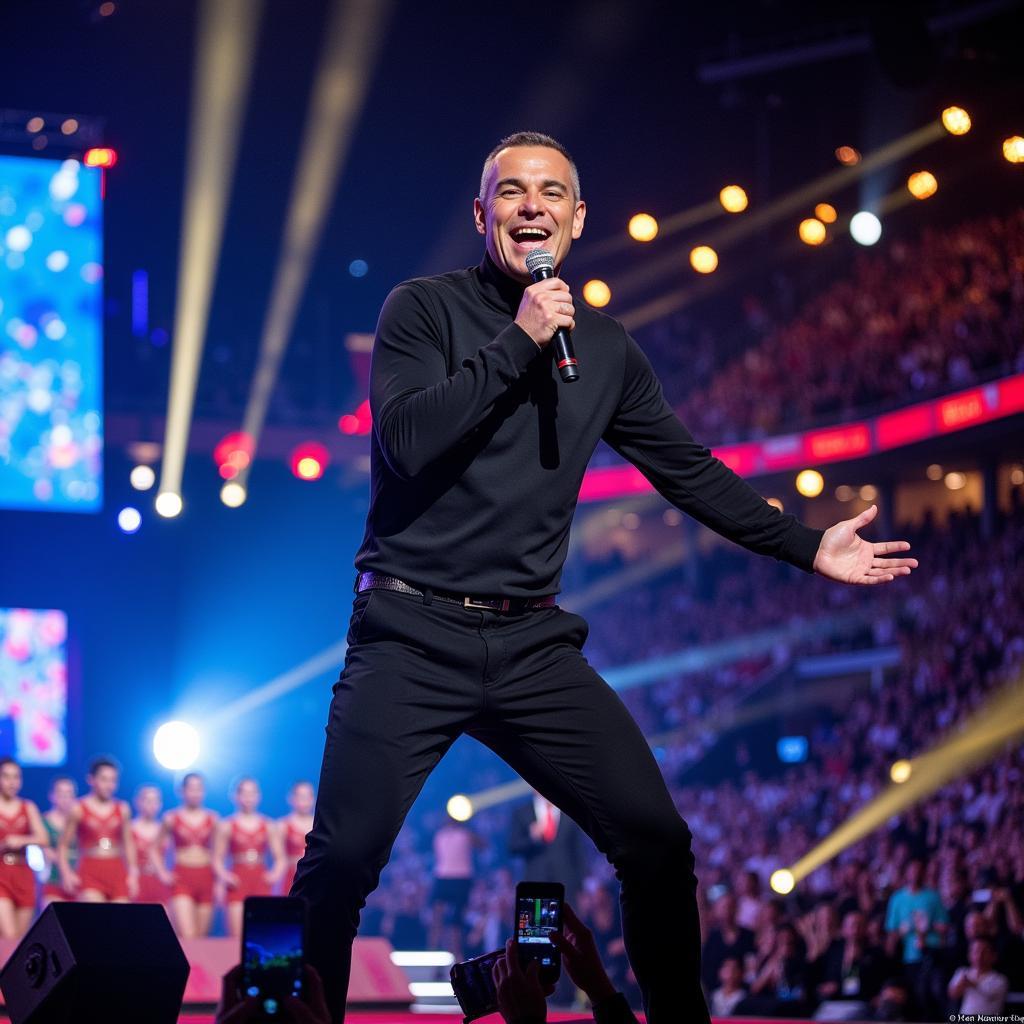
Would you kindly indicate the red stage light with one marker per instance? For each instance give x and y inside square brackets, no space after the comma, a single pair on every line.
[309,460]
[100,157]
[349,424]
[364,417]
[232,454]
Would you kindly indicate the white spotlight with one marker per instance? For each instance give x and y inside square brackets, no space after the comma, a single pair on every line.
[865,227]
[233,494]
[129,519]
[168,504]
[142,478]
[176,745]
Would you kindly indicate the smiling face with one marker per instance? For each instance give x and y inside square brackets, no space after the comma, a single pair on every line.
[528,203]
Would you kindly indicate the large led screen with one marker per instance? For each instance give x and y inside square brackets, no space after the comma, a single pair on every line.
[51,286]
[33,685]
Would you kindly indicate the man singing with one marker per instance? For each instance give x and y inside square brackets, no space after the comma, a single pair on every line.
[477,456]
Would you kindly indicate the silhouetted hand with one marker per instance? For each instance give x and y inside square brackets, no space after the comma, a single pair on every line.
[521,998]
[309,1008]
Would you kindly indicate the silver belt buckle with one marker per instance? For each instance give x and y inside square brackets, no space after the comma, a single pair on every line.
[491,606]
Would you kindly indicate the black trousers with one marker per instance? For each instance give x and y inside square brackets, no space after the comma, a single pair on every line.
[417,675]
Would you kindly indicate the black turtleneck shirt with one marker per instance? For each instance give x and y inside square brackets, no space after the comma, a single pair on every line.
[478,449]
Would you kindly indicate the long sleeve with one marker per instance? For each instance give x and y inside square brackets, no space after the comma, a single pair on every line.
[419,411]
[647,432]
[614,1010]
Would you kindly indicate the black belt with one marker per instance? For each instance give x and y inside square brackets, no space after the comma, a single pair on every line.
[378,581]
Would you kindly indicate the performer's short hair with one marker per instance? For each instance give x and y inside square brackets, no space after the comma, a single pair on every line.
[530,139]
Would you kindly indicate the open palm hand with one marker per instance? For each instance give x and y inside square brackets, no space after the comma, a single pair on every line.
[847,558]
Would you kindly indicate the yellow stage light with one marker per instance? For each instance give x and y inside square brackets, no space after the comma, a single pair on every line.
[810,483]
[847,156]
[597,293]
[733,198]
[168,504]
[956,120]
[956,481]
[869,492]
[782,881]
[460,807]
[1013,149]
[922,184]
[703,259]
[642,227]
[934,472]
[233,494]
[826,213]
[901,771]
[844,492]
[812,231]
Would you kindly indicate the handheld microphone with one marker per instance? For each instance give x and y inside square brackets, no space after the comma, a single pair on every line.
[541,265]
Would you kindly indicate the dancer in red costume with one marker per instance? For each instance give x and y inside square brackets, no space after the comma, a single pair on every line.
[189,829]
[63,791]
[154,878]
[107,870]
[247,837]
[20,825]
[292,829]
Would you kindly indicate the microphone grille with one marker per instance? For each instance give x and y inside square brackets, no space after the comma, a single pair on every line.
[539,259]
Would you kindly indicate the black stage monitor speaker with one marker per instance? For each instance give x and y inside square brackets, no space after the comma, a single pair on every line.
[83,962]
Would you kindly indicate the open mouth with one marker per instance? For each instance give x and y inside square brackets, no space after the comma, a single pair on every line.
[527,238]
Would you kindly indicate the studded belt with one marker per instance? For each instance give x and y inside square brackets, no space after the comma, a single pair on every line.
[503,605]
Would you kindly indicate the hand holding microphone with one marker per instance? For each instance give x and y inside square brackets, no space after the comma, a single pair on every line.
[546,312]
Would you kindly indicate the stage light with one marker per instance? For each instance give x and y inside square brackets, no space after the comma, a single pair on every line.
[107,9]
[35,124]
[168,504]
[142,478]
[1017,476]
[643,227]
[869,492]
[349,424]
[826,213]
[956,120]
[844,492]
[1013,149]
[733,198]
[847,156]
[69,126]
[811,231]
[809,483]
[597,293]
[865,228]
[934,472]
[176,745]
[782,881]
[672,517]
[233,494]
[358,268]
[129,519]
[100,157]
[225,43]
[234,450]
[704,259]
[460,807]
[956,481]
[309,460]
[901,771]
[922,184]
[422,958]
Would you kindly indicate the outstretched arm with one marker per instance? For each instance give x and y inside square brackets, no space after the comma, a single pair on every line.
[847,558]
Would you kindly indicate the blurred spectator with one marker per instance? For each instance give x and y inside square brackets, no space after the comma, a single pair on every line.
[979,987]
[730,992]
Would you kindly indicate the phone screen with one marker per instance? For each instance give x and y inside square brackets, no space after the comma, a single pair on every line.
[272,950]
[536,918]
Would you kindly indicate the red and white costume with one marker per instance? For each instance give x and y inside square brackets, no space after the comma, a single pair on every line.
[101,864]
[17,880]
[151,889]
[248,852]
[194,882]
